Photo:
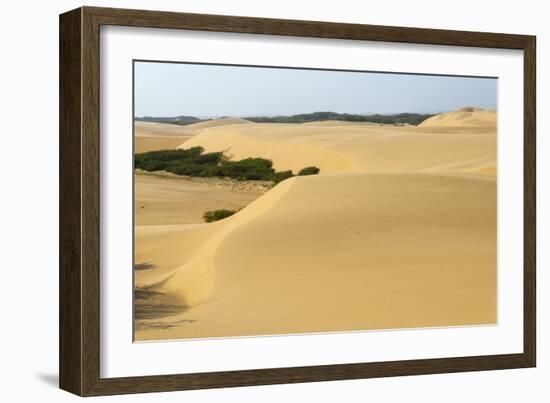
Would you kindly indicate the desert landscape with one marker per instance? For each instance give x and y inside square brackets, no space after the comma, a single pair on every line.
[396,228]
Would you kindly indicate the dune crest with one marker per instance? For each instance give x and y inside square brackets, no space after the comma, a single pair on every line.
[357,148]
[151,136]
[195,127]
[193,280]
[465,117]
[262,140]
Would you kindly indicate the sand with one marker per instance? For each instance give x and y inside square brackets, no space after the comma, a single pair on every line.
[358,147]
[465,117]
[164,199]
[151,136]
[397,231]
[157,136]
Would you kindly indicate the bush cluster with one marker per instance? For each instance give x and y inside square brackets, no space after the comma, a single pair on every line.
[399,118]
[216,215]
[282,175]
[195,162]
[174,120]
[309,171]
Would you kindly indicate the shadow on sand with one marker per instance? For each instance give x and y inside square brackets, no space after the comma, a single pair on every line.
[151,305]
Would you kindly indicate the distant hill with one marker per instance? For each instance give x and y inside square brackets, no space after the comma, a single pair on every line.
[174,120]
[400,118]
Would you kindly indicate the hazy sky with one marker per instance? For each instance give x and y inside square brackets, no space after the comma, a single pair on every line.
[169,89]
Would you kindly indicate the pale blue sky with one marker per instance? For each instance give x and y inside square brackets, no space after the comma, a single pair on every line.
[169,89]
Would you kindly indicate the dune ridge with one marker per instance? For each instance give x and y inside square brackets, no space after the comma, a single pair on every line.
[465,117]
[287,153]
[151,136]
[193,280]
[195,127]
[353,148]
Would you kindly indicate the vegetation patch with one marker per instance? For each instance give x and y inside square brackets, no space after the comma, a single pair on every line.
[309,171]
[216,215]
[282,175]
[399,118]
[195,162]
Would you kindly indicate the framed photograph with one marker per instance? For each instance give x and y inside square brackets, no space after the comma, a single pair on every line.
[249,201]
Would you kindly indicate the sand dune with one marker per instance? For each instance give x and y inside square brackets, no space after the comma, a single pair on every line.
[151,129]
[398,230]
[465,117]
[158,136]
[195,127]
[151,136]
[393,255]
[340,123]
[357,148]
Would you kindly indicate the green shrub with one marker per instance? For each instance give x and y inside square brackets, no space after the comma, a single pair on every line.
[309,171]
[409,118]
[190,169]
[195,162]
[282,175]
[192,161]
[216,215]
[210,158]
[171,155]
[153,165]
[249,168]
[212,171]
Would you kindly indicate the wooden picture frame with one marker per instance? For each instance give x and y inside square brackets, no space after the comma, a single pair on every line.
[79,346]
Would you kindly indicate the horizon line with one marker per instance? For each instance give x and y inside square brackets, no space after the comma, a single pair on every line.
[244,116]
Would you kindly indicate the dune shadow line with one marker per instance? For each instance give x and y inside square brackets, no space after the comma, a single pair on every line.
[144,266]
[150,304]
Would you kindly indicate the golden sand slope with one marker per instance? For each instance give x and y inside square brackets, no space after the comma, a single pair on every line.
[353,148]
[196,127]
[340,123]
[151,136]
[465,117]
[158,136]
[338,252]
[398,230]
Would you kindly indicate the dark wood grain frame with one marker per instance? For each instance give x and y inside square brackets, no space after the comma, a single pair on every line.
[79,347]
